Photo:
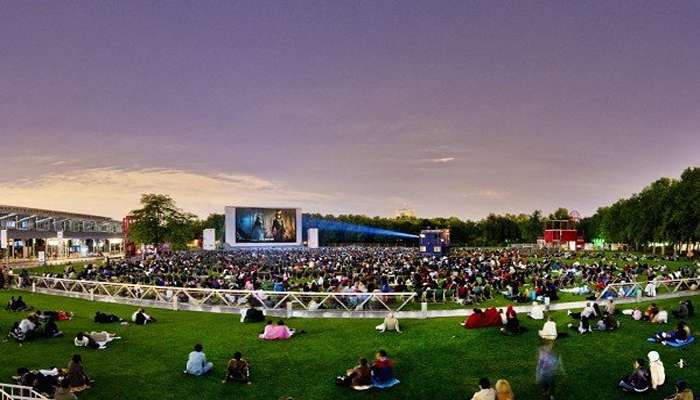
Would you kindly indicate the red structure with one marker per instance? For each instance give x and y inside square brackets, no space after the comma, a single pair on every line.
[129,247]
[560,233]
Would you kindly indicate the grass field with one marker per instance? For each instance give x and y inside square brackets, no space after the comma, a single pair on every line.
[435,358]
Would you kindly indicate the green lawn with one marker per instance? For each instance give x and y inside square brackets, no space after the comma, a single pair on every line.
[435,358]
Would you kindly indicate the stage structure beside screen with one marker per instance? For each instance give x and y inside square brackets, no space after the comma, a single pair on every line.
[312,238]
[263,226]
[209,239]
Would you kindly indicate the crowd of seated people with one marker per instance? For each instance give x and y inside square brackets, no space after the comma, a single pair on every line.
[465,276]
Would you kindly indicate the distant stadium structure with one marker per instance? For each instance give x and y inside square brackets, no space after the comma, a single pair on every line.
[32,233]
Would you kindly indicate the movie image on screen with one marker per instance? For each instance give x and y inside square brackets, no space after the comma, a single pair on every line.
[266,225]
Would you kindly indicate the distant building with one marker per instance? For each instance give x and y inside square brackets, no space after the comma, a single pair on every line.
[32,232]
[561,234]
[405,212]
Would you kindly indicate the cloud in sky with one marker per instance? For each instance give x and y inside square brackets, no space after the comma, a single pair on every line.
[443,160]
[488,194]
[115,191]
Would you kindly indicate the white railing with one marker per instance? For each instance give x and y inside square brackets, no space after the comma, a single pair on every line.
[17,392]
[221,299]
[649,289]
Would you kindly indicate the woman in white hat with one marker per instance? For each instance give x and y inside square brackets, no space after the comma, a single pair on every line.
[656,367]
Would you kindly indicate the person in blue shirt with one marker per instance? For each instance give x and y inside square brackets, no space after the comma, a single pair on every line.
[197,364]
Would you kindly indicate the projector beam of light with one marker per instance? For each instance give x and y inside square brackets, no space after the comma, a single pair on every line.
[338,226]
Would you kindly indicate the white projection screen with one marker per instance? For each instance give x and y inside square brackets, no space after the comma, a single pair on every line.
[263,226]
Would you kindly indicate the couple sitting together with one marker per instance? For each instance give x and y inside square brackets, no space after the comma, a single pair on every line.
[380,374]
[278,331]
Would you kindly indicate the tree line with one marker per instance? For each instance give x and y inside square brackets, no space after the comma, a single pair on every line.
[666,211]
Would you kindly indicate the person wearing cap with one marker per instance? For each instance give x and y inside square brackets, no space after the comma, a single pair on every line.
[656,368]
[682,392]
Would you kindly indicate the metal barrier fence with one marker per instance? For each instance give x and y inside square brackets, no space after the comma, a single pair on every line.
[17,392]
[222,299]
[648,289]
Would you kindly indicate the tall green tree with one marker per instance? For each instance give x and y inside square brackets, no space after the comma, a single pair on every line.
[160,221]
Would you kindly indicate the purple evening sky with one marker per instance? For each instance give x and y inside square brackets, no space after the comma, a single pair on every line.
[451,108]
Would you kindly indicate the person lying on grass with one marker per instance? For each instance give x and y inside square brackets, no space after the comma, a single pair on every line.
[197,364]
[43,381]
[141,318]
[359,376]
[238,369]
[102,318]
[94,340]
[639,380]
[680,334]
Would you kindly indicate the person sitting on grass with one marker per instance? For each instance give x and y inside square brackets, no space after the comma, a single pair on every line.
[680,334]
[359,377]
[587,312]
[76,377]
[252,314]
[639,380]
[383,370]
[683,392]
[503,390]
[650,312]
[537,311]
[51,329]
[512,324]
[610,308]
[94,340]
[656,370]
[141,318]
[391,323]
[63,391]
[661,317]
[280,331]
[28,326]
[238,369]
[485,391]
[17,305]
[197,364]
[607,323]
[549,330]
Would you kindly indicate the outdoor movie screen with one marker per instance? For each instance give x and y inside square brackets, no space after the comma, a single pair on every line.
[266,225]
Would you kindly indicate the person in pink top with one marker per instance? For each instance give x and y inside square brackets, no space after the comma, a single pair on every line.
[280,331]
